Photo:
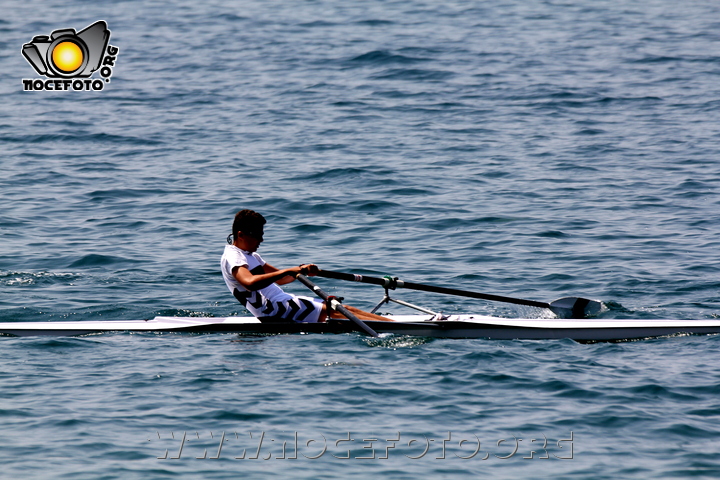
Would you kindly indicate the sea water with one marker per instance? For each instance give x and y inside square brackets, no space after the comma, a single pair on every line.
[534,149]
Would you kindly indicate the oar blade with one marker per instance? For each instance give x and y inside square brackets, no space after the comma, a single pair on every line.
[576,307]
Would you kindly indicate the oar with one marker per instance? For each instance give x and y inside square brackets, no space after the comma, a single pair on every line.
[568,307]
[335,305]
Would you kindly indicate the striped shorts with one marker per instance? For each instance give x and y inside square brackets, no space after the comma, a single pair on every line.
[291,309]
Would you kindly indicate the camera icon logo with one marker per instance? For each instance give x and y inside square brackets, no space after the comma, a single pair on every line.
[68,54]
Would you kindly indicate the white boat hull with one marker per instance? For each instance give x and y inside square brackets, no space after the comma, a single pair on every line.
[455,326]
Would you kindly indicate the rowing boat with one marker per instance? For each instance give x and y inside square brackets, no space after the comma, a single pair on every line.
[572,321]
[453,326]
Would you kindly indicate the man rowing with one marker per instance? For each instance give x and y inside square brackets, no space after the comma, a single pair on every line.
[255,283]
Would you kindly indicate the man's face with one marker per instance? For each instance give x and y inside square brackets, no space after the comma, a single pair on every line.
[252,240]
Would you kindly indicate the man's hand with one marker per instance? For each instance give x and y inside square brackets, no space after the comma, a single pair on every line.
[309,269]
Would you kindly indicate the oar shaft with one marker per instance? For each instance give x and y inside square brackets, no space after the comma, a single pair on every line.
[392,284]
[337,306]
[355,278]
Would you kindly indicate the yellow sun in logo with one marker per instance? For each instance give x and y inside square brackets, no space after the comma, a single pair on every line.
[67,56]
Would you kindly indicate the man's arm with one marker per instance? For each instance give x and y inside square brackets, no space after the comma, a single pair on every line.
[271,275]
[282,281]
[308,269]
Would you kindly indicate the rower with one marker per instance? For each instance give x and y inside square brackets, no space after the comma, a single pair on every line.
[255,283]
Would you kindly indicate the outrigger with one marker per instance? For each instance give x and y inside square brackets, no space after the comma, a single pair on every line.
[572,321]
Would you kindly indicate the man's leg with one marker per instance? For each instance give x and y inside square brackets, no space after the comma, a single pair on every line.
[361,314]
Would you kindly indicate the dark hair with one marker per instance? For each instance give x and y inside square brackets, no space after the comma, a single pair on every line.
[247,220]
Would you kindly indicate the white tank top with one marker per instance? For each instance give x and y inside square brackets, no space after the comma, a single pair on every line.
[255,301]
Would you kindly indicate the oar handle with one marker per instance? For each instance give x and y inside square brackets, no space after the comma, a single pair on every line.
[393,283]
[336,305]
